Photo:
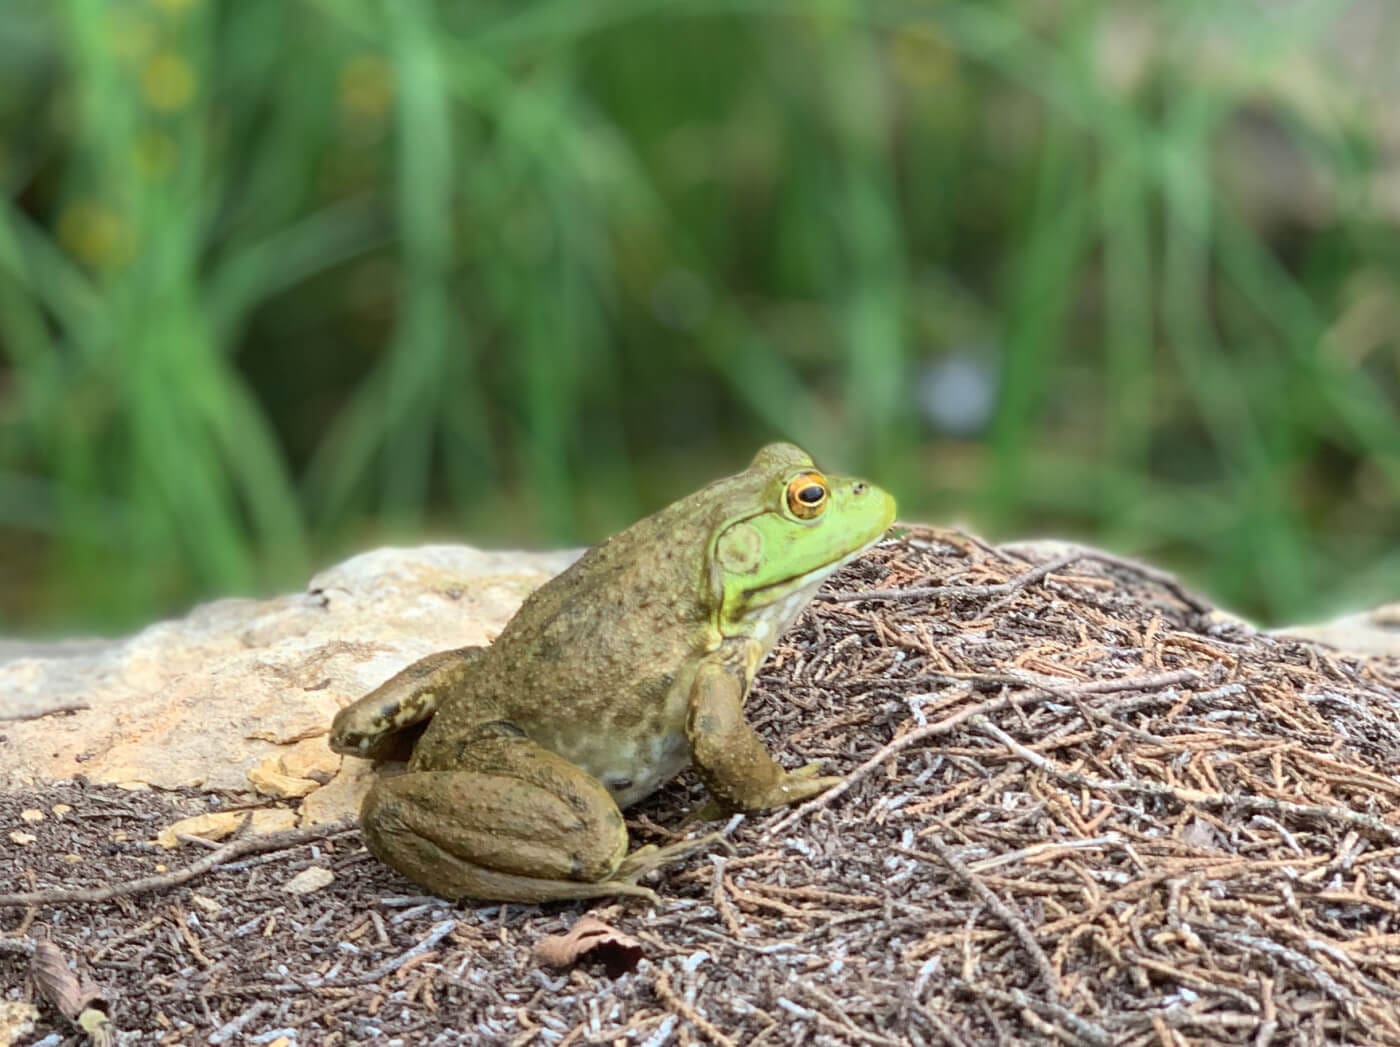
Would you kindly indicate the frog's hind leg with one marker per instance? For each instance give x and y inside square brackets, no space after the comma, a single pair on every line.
[385,723]
[511,821]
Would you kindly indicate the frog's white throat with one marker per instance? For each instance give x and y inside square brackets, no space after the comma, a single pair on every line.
[770,620]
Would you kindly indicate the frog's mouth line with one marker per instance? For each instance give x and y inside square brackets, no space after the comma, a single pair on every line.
[817,574]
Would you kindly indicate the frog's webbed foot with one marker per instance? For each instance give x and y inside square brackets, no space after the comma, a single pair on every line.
[380,725]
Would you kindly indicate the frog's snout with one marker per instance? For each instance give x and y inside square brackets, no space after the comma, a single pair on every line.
[872,504]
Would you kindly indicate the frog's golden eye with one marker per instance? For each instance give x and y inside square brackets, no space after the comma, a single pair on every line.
[807,495]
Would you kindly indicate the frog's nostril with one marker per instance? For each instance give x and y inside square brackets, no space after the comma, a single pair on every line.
[859,487]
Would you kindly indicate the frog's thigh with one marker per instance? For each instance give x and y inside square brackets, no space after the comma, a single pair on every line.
[514,823]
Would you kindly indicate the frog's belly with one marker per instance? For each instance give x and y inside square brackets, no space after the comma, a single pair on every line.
[632,768]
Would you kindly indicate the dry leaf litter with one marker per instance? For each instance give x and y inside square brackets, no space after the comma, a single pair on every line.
[1080,808]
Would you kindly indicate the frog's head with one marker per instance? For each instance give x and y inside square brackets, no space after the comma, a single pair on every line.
[784,527]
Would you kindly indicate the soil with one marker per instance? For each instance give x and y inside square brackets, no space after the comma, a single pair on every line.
[1080,807]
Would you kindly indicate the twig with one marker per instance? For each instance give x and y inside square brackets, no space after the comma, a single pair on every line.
[1090,1032]
[251,845]
[949,1034]
[1042,849]
[235,1026]
[1003,912]
[826,1021]
[839,1020]
[1070,690]
[1291,959]
[440,930]
[721,899]
[926,592]
[678,1006]
[1030,577]
[1218,801]
[1162,578]
[1146,682]
[961,716]
[762,950]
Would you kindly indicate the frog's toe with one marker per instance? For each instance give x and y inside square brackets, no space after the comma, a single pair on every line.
[646,859]
[796,786]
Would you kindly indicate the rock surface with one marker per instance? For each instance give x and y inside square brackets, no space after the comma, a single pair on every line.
[238,695]
[1374,632]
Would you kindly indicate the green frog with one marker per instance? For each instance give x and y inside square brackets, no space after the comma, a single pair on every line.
[614,676]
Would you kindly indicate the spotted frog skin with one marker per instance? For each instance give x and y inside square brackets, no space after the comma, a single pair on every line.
[620,672]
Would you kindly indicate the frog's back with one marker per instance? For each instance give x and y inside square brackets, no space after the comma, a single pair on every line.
[618,623]
[595,664]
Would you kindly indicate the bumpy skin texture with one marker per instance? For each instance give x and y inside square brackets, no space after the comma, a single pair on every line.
[612,677]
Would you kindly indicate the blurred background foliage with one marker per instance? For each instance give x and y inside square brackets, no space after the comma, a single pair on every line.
[282,280]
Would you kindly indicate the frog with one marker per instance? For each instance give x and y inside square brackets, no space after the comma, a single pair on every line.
[614,676]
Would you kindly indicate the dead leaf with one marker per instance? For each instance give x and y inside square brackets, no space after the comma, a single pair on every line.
[80,1001]
[55,980]
[591,939]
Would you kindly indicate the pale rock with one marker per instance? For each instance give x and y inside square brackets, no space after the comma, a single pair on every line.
[340,797]
[273,820]
[310,879]
[214,826]
[1375,632]
[23,839]
[283,786]
[239,693]
[296,770]
[17,1020]
[219,825]
[33,814]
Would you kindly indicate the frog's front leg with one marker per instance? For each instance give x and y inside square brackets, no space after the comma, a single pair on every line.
[728,755]
[509,821]
[373,726]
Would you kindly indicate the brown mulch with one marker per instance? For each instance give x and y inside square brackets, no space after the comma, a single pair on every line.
[1079,808]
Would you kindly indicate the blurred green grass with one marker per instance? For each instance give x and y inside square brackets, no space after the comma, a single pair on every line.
[278,281]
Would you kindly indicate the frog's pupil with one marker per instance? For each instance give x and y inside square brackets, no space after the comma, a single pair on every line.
[811,494]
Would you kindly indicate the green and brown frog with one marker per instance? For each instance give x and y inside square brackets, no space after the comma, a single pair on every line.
[612,677]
